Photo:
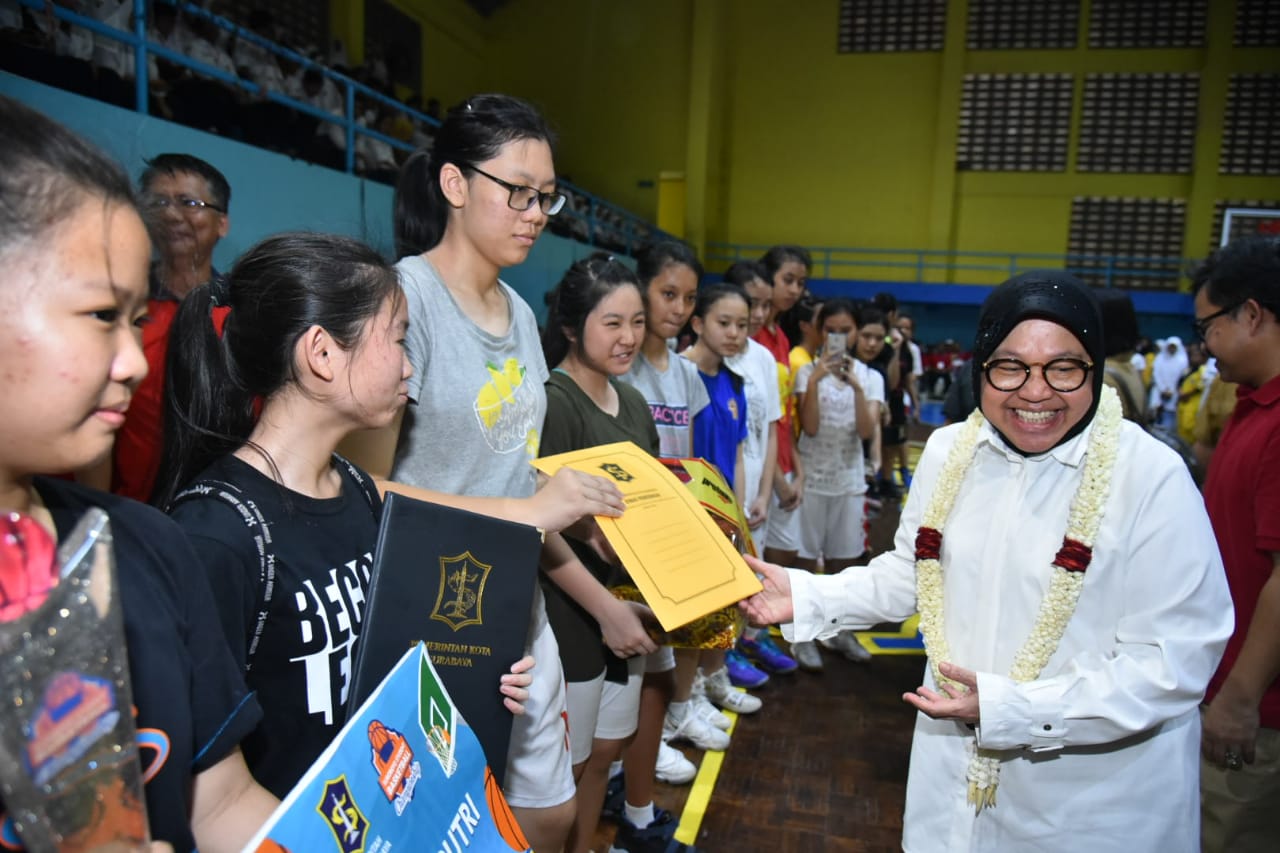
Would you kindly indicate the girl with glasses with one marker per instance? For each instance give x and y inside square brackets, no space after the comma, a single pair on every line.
[473,204]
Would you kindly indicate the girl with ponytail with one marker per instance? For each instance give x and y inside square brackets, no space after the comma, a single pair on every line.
[312,350]
[472,206]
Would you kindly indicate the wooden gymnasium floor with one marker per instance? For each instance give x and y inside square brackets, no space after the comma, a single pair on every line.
[822,766]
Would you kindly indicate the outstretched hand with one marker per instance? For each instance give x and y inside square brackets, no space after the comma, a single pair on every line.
[958,700]
[570,494]
[771,605]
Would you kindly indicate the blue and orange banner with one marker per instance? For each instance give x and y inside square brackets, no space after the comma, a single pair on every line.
[405,773]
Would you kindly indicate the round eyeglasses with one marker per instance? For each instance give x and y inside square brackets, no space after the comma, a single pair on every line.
[522,198]
[182,202]
[1060,374]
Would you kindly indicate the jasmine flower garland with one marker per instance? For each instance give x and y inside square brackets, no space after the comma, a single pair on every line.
[1069,565]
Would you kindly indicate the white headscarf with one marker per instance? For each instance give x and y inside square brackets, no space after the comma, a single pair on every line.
[1167,370]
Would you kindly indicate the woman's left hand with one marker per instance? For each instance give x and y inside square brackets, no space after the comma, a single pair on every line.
[959,703]
[514,685]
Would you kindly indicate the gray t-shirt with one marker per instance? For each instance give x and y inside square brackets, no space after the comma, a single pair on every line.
[674,396]
[477,400]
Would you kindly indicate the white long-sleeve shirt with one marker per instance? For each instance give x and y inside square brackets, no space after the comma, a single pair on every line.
[1101,752]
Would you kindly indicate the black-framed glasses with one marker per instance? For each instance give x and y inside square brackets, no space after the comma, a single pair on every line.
[181,202]
[1200,325]
[1060,374]
[522,198]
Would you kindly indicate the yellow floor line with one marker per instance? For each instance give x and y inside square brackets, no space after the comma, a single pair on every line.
[704,785]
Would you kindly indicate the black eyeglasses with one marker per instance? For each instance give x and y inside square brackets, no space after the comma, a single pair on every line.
[1060,374]
[523,198]
[182,202]
[1200,325]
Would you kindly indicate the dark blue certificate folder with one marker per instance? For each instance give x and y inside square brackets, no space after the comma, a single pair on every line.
[462,584]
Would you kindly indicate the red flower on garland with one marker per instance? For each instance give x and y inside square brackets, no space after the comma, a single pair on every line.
[928,543]
[1073,556]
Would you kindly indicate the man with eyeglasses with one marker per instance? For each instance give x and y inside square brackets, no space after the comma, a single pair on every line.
[1236,306]
[184,201]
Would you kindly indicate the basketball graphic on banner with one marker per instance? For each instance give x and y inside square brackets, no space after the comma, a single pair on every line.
[502,814]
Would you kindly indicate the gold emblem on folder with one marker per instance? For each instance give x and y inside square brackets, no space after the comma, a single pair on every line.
[461,596]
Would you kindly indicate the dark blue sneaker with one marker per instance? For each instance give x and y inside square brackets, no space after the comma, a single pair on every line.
[615,799]
[657,837]
[764,652]
[741,672]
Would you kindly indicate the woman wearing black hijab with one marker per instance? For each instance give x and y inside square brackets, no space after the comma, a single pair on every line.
[1071,598]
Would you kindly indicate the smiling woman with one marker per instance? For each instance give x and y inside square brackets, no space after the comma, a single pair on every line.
[1071,598]
[1040,336]
[594,332]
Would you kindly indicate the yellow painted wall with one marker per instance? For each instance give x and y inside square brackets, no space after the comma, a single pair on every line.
[1001,211]
[824,149]
[612,77]
[455,48]
[800,143]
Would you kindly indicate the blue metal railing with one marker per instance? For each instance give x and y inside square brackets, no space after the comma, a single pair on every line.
[939,266]
[595,221]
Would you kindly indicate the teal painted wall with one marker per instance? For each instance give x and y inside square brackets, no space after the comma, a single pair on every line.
[270,192]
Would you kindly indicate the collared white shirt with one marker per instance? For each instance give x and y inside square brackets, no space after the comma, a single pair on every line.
[1102,751]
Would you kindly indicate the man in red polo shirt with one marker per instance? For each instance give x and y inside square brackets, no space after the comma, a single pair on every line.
[1236,305]
[185,202]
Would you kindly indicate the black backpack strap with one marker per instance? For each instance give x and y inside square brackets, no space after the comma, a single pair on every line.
[364,481]
[260,530]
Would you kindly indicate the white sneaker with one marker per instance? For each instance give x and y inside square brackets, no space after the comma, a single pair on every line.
[721,692]
[704,709]
[708,712]
[672,767]
[692,728]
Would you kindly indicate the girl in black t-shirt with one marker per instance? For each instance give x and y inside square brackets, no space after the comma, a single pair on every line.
[312,350]
[73,287]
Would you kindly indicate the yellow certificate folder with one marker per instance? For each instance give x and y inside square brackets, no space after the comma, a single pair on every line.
[673,550]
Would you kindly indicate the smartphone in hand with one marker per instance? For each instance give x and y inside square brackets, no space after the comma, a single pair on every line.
[836,354]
